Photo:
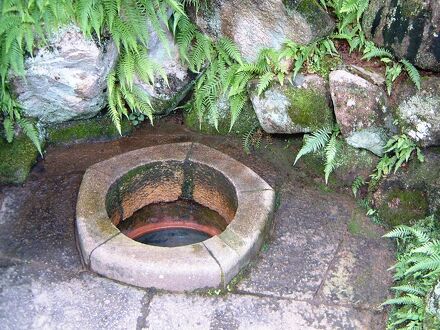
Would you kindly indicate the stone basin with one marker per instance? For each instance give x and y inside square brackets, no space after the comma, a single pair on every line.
[113,190]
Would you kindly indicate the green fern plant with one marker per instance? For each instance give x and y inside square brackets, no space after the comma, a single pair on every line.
[218,66]
[252,139]
[398,151]
[393,68]
[128,23]
[348,14]
[325,139]
[416,272]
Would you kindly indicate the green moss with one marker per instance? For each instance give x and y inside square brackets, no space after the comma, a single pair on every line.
[350,163]
[315,15]
[99,128]
[17,159]
[309,108]
[411,8]
[357,227]
[246,121]
[402,206]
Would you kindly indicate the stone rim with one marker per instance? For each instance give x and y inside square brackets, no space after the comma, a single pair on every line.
[211,263]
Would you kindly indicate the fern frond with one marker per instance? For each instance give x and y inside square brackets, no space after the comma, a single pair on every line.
[8,126]
[413,73]
[377,52]
[231,49]
[264,82]
[409,289]
[426,264]
[31,132]
[405,300]
[331,151]
[358,182]
[314,142]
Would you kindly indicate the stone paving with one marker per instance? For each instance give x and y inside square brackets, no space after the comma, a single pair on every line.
[323,267]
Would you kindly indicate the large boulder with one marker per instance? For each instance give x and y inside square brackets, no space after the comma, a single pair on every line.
[301,107]
[360,109]
[410,28]
[419,111]
[66,79]
[165,96]
[257,24]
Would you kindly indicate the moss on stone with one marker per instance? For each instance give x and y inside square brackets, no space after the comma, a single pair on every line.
[99,128]
[350,163]
[312,12]
[247,120]
[309,108]
[402,206]
[411,8]
[17,159]
[357,227]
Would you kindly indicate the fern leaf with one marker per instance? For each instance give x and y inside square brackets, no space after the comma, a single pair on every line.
[231,49]
[9,129]
[409,289]
[314,142]
[406,300]
[358,182]
[377,52]
[31,132]
[331,151]
[264,82]
[413,73]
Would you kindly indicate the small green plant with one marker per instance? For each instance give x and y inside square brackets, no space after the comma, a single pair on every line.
[416,272]
[393,68]
[323,139]
[252,139]
[349,27]
[357,184]
[398,151]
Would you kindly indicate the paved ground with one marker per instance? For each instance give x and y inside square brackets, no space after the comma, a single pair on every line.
[324,266]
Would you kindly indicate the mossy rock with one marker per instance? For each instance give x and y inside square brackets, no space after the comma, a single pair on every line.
[308,108]
[350,163]
[400,207]
[17,159]
[96,129]
[246,121]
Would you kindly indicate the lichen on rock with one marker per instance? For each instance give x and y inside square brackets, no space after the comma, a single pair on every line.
[419,112]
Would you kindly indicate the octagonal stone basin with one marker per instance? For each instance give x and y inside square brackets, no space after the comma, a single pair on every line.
[111,191]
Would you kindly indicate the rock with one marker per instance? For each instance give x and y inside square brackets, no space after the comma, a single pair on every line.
[301,107]
[350,163]
[246,121]
[67,79]
[257,24]
[434,301]
[17,157]
[360,110]
[372,76]
[410,28]
[165,97]
[412,193]
[419,112]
